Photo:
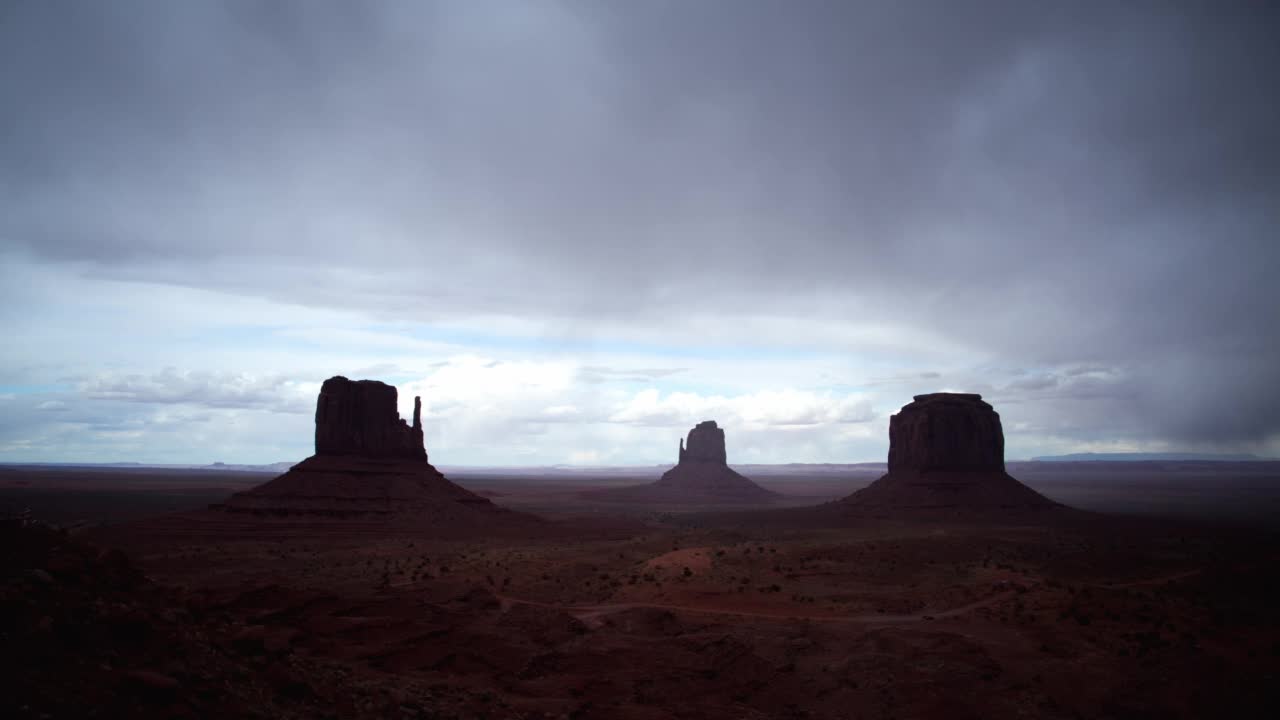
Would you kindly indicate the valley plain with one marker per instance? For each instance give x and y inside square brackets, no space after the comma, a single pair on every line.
[1158,602]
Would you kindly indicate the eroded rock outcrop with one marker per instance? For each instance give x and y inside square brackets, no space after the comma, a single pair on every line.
[368,463]
[361,418]
[946,451]
[701,476]
[946,431]
[706,444]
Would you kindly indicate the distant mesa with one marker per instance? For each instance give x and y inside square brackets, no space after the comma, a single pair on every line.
[701,476]
[369,463]
[1154,457]
[946,451]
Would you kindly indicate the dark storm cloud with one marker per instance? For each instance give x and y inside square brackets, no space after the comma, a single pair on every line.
[1056,184]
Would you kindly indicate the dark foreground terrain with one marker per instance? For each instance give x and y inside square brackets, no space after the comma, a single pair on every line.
[610,614]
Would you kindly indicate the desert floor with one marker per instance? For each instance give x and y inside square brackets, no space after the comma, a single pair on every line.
[626,612]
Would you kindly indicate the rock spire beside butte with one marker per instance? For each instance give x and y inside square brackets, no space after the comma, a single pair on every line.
[946,451]
[369,463]
[702,476]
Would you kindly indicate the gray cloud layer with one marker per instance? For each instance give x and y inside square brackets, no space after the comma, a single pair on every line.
[1056,185]
[213,390]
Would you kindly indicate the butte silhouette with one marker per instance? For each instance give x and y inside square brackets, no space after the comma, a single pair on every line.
[701,476]
[946,451]
[369,463]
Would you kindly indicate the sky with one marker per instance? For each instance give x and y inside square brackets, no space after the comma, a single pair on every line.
[578,228]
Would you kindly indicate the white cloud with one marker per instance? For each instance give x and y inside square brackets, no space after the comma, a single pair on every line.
[482,410]
[562,413]
[768,408]
[585,457]
[203,388]
[470,385]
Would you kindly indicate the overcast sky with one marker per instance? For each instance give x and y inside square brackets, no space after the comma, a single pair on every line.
[578,228]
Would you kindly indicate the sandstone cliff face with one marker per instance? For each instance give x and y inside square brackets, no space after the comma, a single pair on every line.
[360,418]
[948,432]
[946,452]
[702,476]
[369,464]
[706,444]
